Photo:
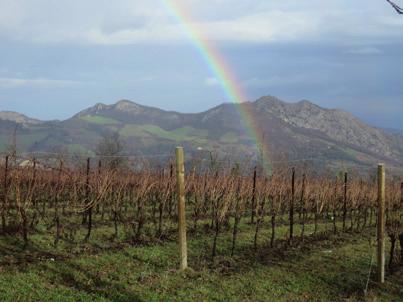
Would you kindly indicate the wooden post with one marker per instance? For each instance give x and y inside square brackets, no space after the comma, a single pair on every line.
[171,197]
[381,224]
[57,219]
[401,194]
[99,167]
[180,178]
[88,213]
[99,179]
[5,192]
[345,201]
[292,204]
[302,212]
[33,181]
[253,204]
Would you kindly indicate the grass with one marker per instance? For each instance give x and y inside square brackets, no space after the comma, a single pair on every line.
[330,268]
[24,141]
[78,149]
[99,120]
[179,134]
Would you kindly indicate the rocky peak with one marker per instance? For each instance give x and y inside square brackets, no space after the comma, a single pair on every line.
[307,105]
[269,101]
[123,106]
[100,106]
[96,109]
[128,106]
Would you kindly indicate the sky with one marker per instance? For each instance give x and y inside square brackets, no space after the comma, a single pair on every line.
[59,57]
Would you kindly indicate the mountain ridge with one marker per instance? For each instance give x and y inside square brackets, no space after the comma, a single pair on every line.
[290,129]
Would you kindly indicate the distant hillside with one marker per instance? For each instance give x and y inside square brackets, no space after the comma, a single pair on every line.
[291,130]
[17,118]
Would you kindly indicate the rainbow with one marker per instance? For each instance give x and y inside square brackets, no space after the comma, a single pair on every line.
[221,70]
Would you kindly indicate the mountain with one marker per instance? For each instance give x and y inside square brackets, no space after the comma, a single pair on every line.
[333,125]
[18,118]
[291,131]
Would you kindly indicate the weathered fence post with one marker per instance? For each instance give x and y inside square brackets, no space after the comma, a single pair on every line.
[401,194]
[302,212]
[97,209]
[381,224]
[99,167]
[253,204]
[33,181]
[88,211]
[56,200]
[345,200]
[171,189]
[180,178]
[5,192]
[292,204]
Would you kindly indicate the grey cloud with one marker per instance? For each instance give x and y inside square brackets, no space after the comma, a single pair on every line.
[145,21]
[38,82]
[364,51]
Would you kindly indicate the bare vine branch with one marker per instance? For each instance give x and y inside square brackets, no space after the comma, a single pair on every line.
[398,9]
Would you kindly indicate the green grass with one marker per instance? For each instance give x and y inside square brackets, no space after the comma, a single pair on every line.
[190,132]
[78,149]
[99,120]
[179,134]
[25,141]
[333,268]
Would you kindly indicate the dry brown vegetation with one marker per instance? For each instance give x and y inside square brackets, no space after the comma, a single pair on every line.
[141,204]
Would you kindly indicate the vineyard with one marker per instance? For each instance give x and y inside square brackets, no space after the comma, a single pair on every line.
[240,211]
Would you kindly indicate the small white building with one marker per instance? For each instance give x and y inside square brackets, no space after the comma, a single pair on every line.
[29,163]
